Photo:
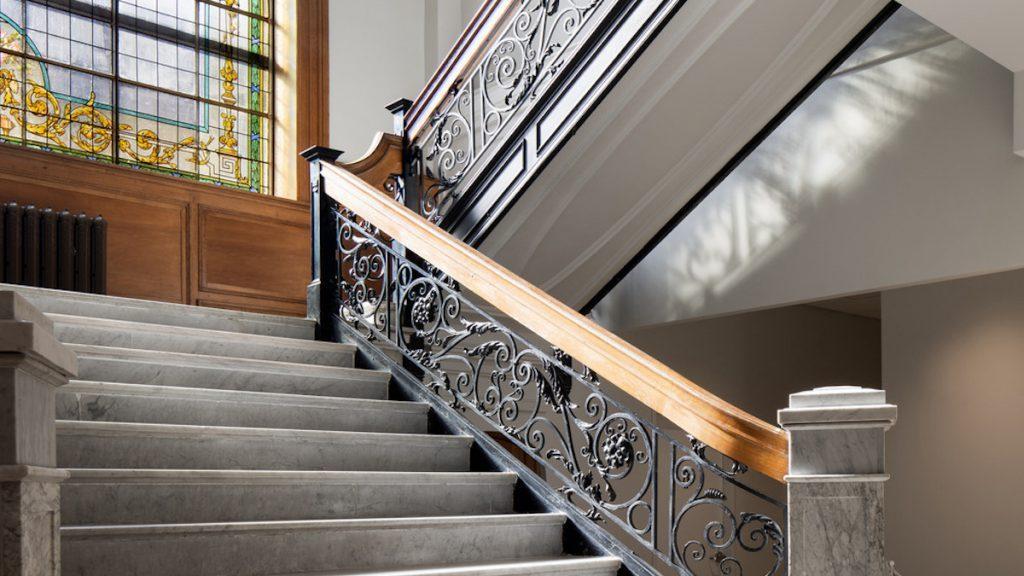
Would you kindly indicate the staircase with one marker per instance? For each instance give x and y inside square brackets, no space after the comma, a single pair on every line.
[207,442]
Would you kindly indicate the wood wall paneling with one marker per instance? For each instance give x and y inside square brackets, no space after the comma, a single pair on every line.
[233,250]
[178,240]
[173,239]
[312,122]
[157,220]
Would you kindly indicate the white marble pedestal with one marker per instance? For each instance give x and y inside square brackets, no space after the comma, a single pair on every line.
[836,479]
[33,364]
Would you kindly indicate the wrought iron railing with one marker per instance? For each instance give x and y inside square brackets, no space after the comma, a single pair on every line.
[521,61]
[517,85]
[695,509]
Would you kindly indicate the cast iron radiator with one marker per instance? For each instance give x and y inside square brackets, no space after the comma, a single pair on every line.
[51,249]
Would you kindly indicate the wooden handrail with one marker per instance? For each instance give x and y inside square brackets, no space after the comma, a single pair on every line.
[714,421]
[466,52]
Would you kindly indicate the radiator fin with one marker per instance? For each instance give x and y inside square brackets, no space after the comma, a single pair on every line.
[43,247]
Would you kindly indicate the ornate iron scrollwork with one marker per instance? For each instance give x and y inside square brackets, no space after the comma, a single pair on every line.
[520,63]
[615,466]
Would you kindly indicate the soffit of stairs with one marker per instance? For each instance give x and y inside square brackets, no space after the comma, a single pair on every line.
[709,82]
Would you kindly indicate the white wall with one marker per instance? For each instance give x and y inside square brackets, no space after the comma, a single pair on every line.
[897,171]
[756,360]
[952,362]
[991,26]
[445,21]
[381,51]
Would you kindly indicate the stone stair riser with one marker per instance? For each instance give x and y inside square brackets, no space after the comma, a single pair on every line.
[80,447]
[155,502]
[279,550]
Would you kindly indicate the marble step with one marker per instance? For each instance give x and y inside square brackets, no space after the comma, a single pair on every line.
[132,366]
[129,445]
[130,309]
[104,496]
[558,566]
[117,402]
[273,548]
[122,334]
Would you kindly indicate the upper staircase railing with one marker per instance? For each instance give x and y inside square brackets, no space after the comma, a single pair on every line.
[516,85]
[651,457]
[467,52]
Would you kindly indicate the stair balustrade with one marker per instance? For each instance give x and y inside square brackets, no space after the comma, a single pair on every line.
[692,497]
[511,92]
[646,464]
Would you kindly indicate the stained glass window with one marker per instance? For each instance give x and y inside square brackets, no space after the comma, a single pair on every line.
[175,86]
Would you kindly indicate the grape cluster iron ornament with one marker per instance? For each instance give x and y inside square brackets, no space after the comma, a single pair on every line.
[666,491]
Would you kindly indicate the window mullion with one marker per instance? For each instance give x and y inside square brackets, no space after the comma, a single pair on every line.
[115,97]
[197,32]
[24,73]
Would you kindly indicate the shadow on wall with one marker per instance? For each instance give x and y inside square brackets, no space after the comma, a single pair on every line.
[808,162]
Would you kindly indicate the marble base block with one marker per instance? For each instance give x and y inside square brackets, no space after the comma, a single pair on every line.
[836,529]
[33,365]
[30,521]
[836,481]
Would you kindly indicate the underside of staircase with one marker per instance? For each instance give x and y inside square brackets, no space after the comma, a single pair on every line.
[207,442]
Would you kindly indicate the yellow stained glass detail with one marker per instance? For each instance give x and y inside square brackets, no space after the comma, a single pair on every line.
[222,144]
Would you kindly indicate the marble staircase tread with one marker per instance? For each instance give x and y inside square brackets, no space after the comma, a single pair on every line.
[125,334]
[84,444]
[307,546]
[151,311]
[556,566]
[145,403]
[137,496]
[158,367]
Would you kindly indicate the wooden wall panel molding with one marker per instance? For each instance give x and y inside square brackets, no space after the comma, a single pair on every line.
[232,256]
[250,305]
[312,94]
[154,224]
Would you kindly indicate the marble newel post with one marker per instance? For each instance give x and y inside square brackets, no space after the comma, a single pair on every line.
[836,479]
[33,364]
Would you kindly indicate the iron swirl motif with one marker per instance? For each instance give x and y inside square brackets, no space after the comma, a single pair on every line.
[614,466]
[526,56]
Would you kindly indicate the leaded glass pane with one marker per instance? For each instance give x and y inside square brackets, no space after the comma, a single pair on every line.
[66,110]
[234,69]
[12,97]
[259,8]
[159,132]
[192,84]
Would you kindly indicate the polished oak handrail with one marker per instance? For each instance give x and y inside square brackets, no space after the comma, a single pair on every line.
[724,427]
[467,51]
